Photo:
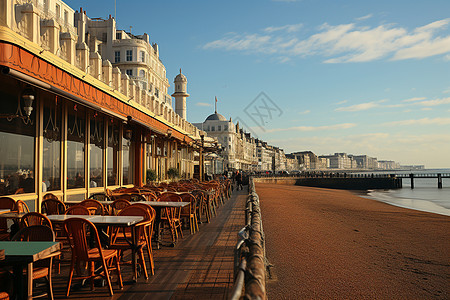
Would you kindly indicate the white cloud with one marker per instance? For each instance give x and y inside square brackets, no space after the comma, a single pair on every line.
[203,104]
[342,102]
[434,102]
[287,28]
[414,99]
[344,43]
[305,112]
[426,108]
[364,17]
[314,128]
[361,106]
[424,121]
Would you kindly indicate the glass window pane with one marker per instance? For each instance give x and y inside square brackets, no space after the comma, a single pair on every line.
[75,147]
[17,145]
[126,161]
[97,139]
[51,179]
[113,154]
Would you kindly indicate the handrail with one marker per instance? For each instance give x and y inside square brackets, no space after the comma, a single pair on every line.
[250,258]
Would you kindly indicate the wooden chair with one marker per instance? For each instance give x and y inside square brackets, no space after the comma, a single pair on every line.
[149,227]
[6,203]
[121,238]
[77,231]
[41,268]
[21,207]
[190,211]
[94,206]
[49,196]
[202,205]
[52,206]
[118,205]
[35,218]
[171,216]
[77,210]
[100,197]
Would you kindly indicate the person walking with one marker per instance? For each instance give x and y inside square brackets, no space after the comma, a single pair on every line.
[239,180]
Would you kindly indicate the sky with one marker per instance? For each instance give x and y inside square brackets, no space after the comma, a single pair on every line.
[360,77]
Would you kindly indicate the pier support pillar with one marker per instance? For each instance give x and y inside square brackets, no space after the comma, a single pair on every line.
[439,177]
[412,180]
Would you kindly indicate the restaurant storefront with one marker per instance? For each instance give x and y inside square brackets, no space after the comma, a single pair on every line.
[61,134]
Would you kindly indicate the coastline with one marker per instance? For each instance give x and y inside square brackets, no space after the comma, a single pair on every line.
[328,243]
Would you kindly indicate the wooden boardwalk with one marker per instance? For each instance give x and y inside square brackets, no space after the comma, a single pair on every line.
[200,266]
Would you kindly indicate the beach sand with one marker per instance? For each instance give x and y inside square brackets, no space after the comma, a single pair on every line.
[332,244]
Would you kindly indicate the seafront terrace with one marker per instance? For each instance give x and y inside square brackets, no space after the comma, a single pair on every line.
[197,266]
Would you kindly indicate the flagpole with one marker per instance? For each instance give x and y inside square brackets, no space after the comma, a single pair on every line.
[215,110]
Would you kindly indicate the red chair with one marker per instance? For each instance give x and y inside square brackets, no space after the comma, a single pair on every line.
[52,206]
[77,210]
[77,232]
[190,211]
[94,206]
[118,205]
[41,268]
[121,239]
[35,218]
[6,203]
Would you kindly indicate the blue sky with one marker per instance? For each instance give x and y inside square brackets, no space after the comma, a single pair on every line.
[362,77]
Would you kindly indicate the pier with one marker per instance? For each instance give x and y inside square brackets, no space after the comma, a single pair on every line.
[412,176]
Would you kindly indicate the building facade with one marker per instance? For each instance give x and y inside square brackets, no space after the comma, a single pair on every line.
[73,123]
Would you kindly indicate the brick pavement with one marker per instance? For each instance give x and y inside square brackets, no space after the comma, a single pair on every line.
[200,266]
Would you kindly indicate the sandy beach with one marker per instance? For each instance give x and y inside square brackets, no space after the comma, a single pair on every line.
[332,244]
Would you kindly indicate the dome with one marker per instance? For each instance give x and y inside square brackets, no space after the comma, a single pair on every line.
[216,117]
[180,77]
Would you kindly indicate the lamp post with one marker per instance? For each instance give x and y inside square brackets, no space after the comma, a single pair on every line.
[200,160]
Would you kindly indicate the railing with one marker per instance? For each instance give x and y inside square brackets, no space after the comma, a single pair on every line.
[250,259]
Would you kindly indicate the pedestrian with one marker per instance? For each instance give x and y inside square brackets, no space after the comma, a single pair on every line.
[239,180]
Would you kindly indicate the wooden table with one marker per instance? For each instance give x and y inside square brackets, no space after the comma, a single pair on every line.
[158,206]
[118,221]
[22,255]
[104,202]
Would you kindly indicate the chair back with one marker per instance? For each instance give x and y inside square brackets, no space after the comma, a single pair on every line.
[169,196]
[35,233]
[53,207]
[118,205]
[136,210]
[100,197]
[187,197]
[77,231]
[7,203]
[94,206]
[22,207]
[77,210]
[49,196]
[35,218]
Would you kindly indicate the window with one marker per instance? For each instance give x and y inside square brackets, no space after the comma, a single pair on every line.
[75,147]
[225,127]
[142,56]
[213,128]
[129,72]
[117,56]
[129,55]
[219,128]
[118,35]
[142,73]
[16,146]
[66,16]
[156,92]
[58,9]
[97,140]
[112,155]
[51,173]
[229,138]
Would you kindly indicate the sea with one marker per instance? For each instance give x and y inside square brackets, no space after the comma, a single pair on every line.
[424,197]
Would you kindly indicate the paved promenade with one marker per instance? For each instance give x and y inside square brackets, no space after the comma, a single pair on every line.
[331,244]
[200,266]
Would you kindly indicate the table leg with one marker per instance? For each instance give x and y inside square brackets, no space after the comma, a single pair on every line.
[30,281]
[158,226]
[133,254]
